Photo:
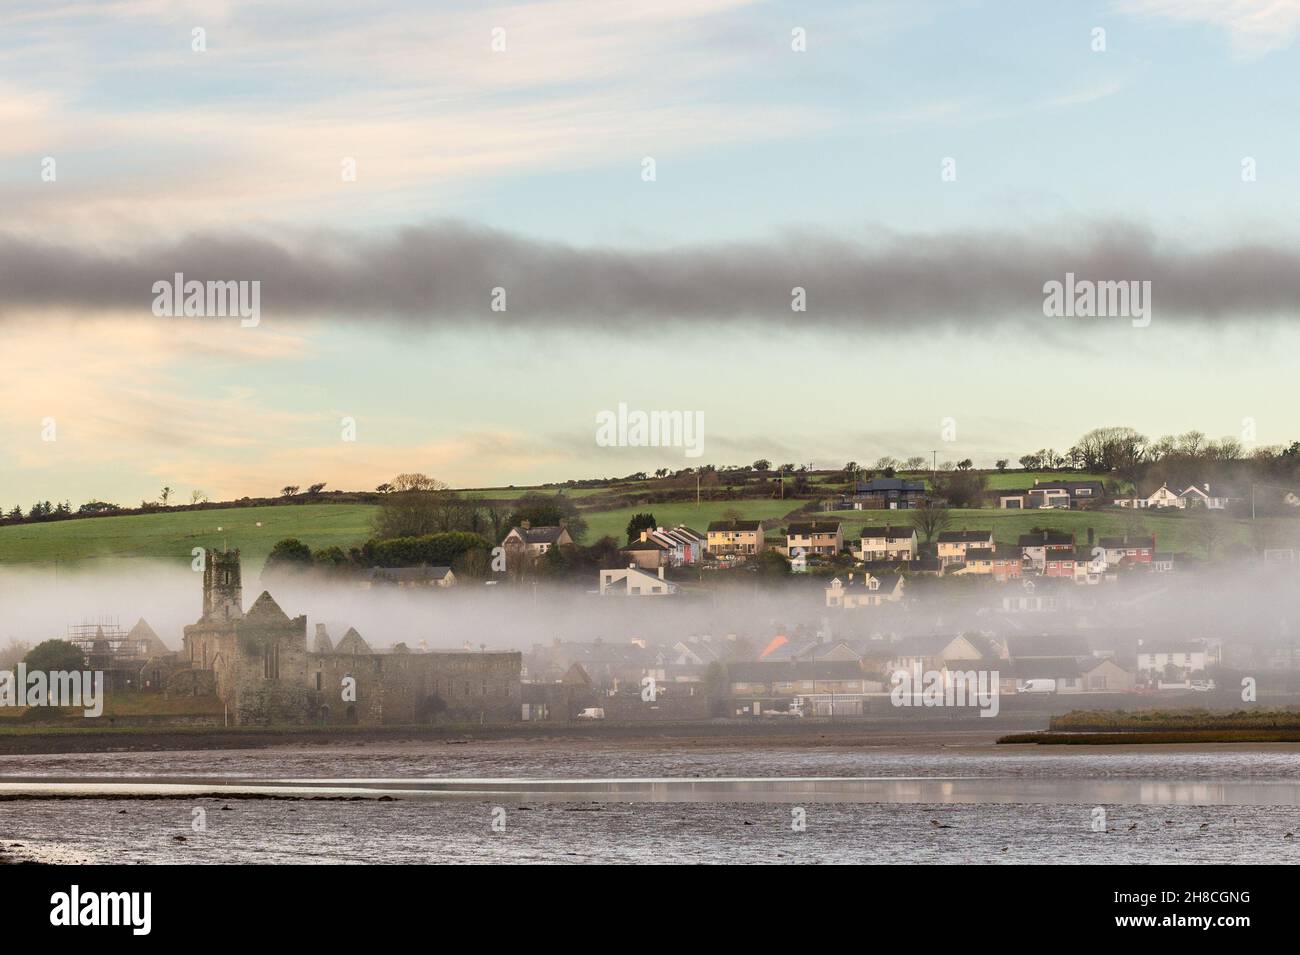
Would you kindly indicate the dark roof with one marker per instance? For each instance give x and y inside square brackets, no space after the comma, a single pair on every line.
[807,528]
[735,526]
[767,671]
[922,645]
[979,553]
[954,537]
[1028,647]
[1116,542]
[890,533]
[1041,669]
[650,544]
[890,484]
[1159,646]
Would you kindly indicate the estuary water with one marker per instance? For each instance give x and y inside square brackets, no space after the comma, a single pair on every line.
[657,801]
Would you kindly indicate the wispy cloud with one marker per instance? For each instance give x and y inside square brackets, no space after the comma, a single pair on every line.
[1254,27]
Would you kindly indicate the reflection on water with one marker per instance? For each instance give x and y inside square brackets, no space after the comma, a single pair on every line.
[929,790]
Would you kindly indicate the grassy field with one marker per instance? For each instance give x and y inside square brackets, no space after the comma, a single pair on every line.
[171,536]
[1173,532]
[1020,480]
[254,530]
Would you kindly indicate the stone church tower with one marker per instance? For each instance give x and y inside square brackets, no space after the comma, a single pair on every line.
[258,659]
[223,594]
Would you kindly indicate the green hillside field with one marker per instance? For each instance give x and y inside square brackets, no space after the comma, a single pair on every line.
[254,530]
[171,536]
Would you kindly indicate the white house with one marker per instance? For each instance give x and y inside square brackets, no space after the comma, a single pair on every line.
[632,581]
[1192,656]
[868,591]
[1192,496]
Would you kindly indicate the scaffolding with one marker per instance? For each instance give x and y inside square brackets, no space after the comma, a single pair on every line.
[105,636]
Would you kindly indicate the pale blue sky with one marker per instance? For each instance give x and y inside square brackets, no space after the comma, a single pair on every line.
[154,141]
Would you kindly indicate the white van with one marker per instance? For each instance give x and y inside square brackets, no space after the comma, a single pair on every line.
[1039,686]
[592,713]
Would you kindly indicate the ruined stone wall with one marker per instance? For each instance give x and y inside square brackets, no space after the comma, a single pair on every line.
[270,672]
[191,682]
[399,688]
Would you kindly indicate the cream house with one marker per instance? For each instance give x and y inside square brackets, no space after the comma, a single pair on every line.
[886,543]
[953,544]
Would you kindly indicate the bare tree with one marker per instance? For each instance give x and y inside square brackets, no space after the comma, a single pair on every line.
[930,520]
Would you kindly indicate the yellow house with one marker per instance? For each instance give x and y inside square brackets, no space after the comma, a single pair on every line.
[738,538]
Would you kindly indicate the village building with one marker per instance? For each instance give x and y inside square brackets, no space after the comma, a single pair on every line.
[890,493]
[887,543]
[536,541]
[952,545]
[868,590]
[821,538]
[735,538]
[632,581]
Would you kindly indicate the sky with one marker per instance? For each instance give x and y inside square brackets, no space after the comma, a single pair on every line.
[919,169]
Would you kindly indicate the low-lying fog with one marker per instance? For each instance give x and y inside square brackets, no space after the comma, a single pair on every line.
[1254,603]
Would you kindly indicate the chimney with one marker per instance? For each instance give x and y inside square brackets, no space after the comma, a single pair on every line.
[645,536]
[661,572]
[525,524]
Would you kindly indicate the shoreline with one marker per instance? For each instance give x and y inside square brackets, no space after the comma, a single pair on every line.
[32,741]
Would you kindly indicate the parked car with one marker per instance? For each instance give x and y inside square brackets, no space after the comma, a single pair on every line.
[1039,686]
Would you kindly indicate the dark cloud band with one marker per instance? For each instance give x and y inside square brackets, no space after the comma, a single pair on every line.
[446,272]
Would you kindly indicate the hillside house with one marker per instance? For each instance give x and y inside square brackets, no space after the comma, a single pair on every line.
[887,543]
[735,538]
[952,545]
